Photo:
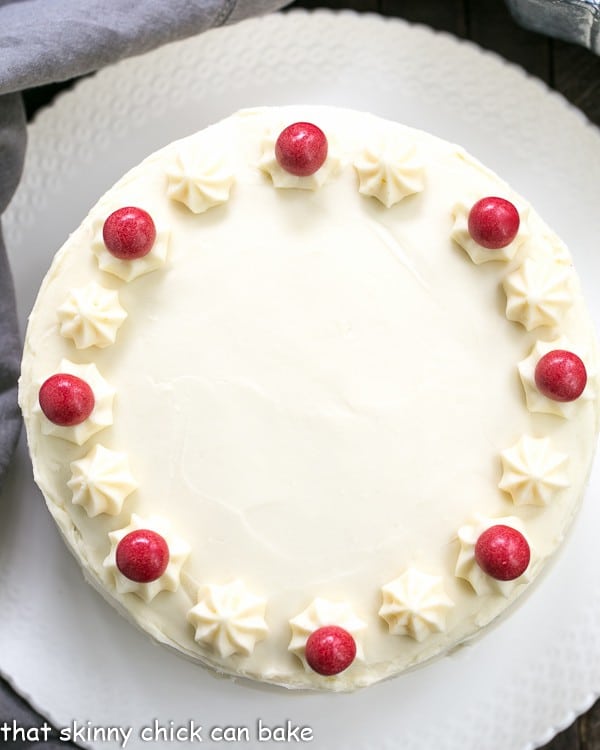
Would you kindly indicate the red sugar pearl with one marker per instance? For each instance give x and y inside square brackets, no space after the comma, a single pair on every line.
[301,149]
[129,233]
[493,222]
[560,375]
[330,650]
[502,552]
[142,556]
[66,400]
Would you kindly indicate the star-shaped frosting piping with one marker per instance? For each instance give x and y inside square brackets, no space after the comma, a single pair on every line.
[538,293]
[390,170]
[533,471]
[199,179]
[230,619]
[101,481]
[415,604]
[91,316]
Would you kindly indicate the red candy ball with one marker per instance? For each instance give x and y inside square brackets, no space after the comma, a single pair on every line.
[301,149]
[129,233]
[502,552]
[330,650]
[560,375]
[142,556]
[66,400]
[493,222]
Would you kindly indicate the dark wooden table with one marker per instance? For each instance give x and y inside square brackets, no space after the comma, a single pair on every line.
[571,70]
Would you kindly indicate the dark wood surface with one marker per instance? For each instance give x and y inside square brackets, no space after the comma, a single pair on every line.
[571,70]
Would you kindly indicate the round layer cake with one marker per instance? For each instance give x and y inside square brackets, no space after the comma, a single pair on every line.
[312,396]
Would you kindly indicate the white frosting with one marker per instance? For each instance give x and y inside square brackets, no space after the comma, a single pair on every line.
[389,171]
[102,414]
[536,401]
[415,604]
[538,293]
[319,614]
[91,316]
[552,248]
[315,392]
[179,550]
[128,270]
[200,179]
[101,481]
[467,566]
[283,179]
[533,471]
[478,254]
[230,619]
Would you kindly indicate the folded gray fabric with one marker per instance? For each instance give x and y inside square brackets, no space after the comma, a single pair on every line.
[12,150]
[43,42]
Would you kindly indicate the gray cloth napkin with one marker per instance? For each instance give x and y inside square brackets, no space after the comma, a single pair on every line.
[44,41]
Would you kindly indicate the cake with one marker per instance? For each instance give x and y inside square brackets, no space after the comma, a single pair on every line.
[312,396]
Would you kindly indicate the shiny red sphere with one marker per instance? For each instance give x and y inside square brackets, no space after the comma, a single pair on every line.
[142,556]
[301,149]
[560,375]
[129,233]
[502,552]
[330,650]
[66,400]
[493,222]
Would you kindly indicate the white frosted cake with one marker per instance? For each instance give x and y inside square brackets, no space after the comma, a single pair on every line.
[312,396]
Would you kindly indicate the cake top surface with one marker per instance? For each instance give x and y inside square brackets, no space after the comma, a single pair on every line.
[317,389]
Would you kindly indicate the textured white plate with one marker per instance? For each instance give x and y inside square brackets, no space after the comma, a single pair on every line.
[69,652]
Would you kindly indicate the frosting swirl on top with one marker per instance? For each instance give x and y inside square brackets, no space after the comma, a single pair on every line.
[91,316]
[229,618]
[415,604]
[200,179]
[101,481]
[390,171]
[533,471]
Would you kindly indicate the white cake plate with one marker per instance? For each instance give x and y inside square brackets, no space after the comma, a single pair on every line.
[69,652]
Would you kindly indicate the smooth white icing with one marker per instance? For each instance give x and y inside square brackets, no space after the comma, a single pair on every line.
[536,401]
[229,618]
[415,604]
[478,254]
[102,414]
[533,471]
[553,248]
[101,481]
[467,566]
[538,293]
[200,179]
[315,392]
[390,170]
[179,550]
[91,316]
